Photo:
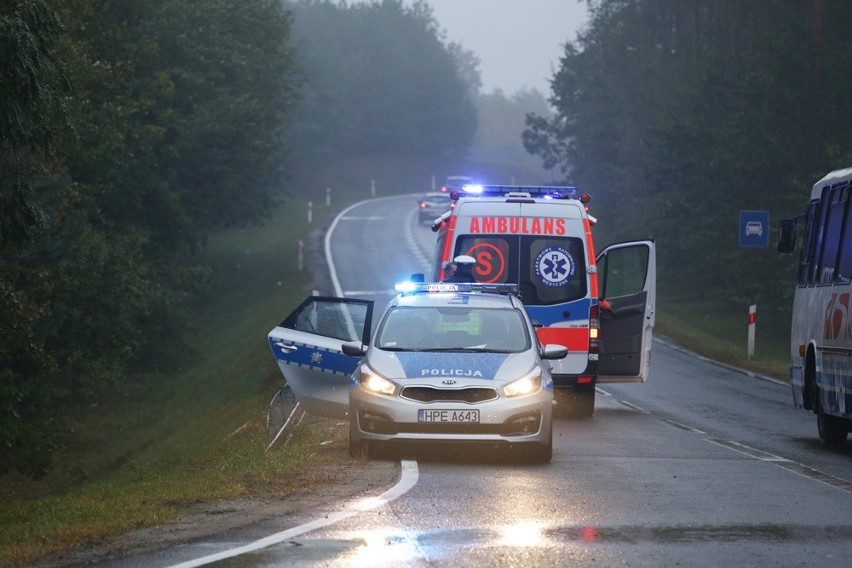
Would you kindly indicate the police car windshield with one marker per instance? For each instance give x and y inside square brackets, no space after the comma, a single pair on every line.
[456,328]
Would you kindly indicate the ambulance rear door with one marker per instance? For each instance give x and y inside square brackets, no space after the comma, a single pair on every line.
[628,283]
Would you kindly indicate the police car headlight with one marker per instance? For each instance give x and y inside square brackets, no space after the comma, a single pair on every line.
[525,385]
[375,384]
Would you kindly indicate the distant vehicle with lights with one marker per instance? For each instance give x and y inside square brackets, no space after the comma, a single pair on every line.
[599,305]
[455,183]
[449,363]
[432,205]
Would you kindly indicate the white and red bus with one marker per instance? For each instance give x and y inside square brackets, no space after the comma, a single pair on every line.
[821,335]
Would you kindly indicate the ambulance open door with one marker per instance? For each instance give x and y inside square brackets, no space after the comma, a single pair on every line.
[627,284]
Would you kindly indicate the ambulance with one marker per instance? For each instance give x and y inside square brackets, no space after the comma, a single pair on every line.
[601,306]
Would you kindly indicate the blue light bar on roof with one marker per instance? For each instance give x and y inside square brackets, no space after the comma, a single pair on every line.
[546,191]
[446,287]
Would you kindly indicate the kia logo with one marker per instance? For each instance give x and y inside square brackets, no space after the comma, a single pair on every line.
[448,382]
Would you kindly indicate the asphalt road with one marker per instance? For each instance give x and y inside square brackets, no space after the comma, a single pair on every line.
[702,466]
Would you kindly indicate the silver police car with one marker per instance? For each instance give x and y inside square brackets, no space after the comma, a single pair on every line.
[449,363]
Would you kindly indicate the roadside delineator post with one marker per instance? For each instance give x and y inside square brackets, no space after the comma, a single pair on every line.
[752,316]
[301,257]
[328,197]
[310,212]
[372,188]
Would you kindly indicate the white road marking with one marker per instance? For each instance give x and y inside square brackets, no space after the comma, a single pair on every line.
[634,407]
[407,479]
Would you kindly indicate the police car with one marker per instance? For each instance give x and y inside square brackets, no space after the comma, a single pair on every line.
[452,363]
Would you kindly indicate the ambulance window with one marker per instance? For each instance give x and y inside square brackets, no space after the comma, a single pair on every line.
[554,270]
[493,255]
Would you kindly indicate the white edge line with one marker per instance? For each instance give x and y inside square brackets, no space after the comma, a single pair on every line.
[634,407]
[407,479]
[338,290]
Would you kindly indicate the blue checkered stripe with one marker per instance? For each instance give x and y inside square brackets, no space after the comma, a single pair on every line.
[316,358]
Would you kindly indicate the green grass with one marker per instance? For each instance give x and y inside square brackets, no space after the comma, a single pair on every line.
[157,443]
[720,331]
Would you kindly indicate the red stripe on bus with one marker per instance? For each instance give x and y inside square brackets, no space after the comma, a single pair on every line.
[574,338]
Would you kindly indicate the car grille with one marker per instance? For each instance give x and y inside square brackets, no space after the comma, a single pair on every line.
[429,394]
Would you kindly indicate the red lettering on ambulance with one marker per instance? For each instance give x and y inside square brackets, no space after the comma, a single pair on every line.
[517,225]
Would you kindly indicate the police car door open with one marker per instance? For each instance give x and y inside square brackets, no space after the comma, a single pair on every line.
[627,281]
[307,347]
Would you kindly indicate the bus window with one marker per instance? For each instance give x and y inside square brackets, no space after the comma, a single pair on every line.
[807,245]
[844,262]
[831,243]
[818,238]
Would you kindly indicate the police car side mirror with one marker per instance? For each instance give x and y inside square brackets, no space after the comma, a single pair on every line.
[553,351]
[354,348]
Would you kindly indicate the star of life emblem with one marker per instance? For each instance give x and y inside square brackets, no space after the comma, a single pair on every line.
[554,266]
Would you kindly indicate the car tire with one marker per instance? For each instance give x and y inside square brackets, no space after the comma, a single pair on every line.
[357,448]
[541,453]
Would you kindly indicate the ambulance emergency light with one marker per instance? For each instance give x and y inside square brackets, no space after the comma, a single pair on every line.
[542,191]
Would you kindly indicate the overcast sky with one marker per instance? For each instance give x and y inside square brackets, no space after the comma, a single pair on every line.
[518,42]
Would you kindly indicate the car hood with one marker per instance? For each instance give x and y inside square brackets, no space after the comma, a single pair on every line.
[401,365]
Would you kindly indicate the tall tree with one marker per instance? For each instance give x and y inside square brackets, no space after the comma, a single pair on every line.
[677,114]
[381,80]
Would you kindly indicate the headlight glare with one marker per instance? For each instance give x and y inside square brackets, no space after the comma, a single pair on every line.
[375,384]
[525,385]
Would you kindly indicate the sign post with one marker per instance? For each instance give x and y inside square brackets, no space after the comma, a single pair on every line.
[752,316]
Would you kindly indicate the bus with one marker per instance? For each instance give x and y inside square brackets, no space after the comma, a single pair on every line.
[821,331]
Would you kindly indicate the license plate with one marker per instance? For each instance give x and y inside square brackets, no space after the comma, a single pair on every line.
[438,415]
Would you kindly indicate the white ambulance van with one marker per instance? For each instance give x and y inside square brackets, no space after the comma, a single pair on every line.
[598,305]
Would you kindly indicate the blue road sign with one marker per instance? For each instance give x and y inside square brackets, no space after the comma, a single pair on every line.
[754,228]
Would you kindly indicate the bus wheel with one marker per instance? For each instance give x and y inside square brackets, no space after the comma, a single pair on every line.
[832,431]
